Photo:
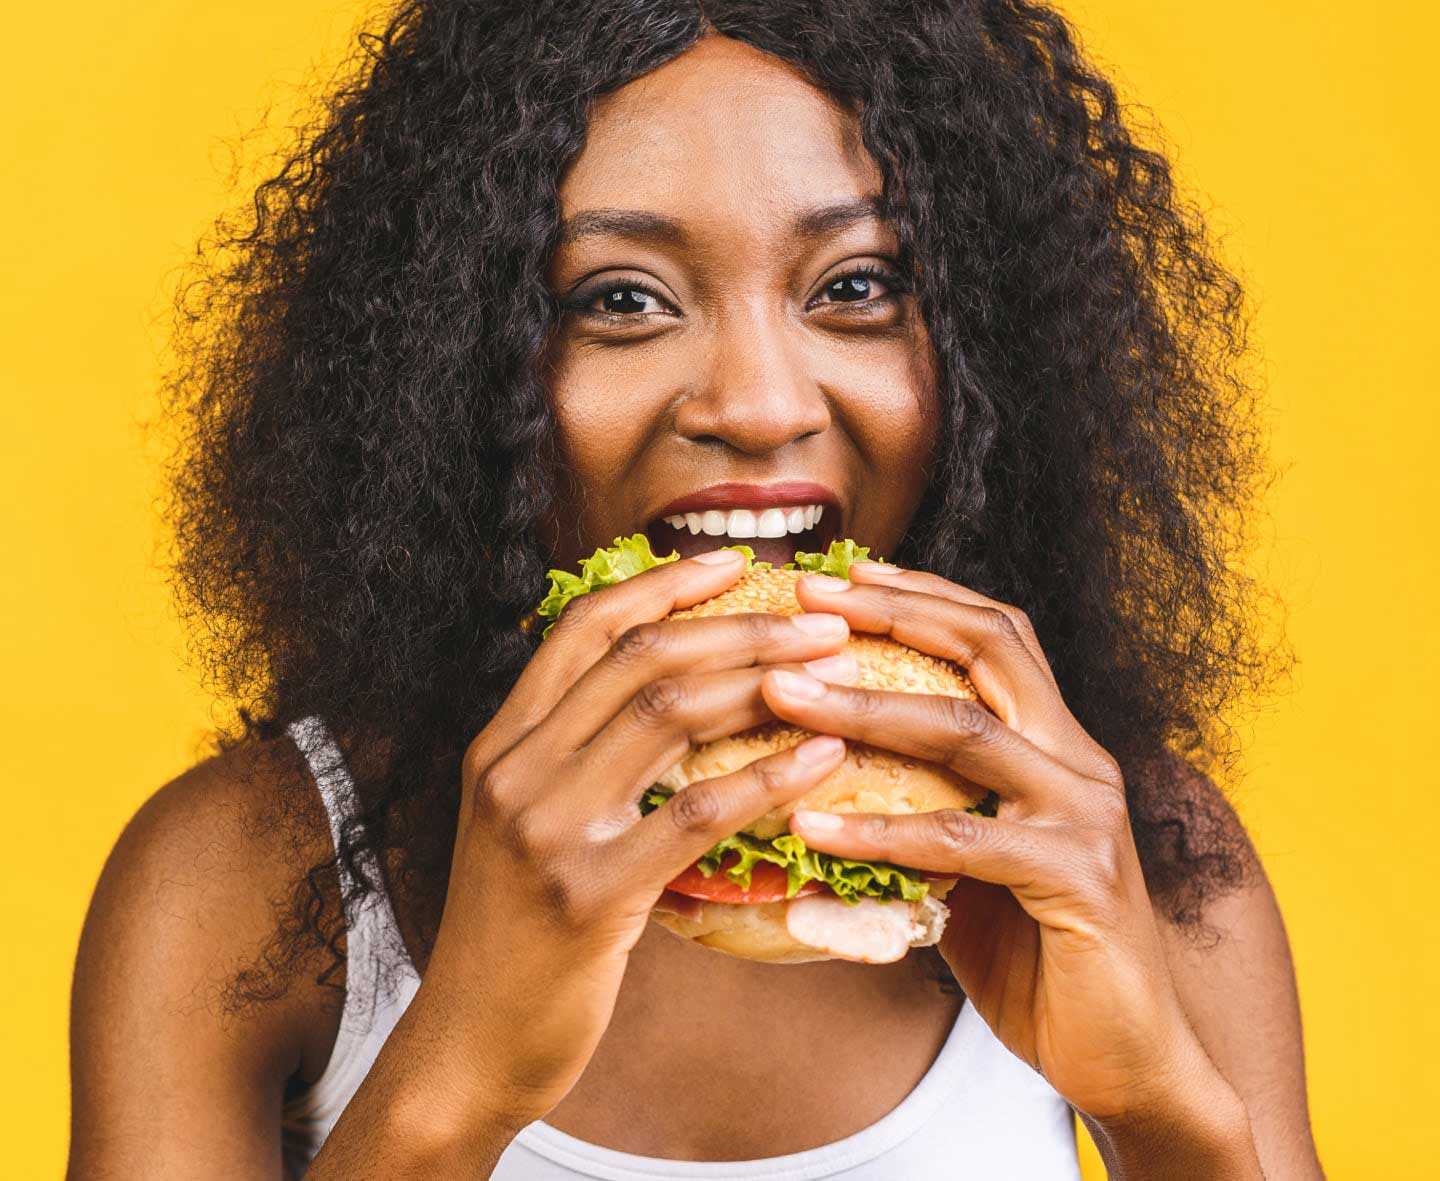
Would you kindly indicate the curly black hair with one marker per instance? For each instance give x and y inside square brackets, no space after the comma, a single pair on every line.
[363,434]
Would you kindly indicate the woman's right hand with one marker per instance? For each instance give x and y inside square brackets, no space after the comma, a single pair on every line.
[554,869]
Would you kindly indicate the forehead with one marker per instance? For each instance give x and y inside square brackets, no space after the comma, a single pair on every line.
[722,131]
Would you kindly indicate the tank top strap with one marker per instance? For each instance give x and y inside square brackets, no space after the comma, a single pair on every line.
[371,930]
[370,1011]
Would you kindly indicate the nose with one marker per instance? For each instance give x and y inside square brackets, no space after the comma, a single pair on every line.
[756,394]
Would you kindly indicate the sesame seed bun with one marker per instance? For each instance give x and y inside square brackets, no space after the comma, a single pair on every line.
[870,779]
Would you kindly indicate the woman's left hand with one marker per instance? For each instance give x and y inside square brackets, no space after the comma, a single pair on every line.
[1051,934]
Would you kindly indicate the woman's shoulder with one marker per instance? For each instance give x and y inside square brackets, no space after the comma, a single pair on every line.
[193,897]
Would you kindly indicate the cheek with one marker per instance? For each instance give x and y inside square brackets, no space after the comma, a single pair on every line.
[893,409]
[604,409]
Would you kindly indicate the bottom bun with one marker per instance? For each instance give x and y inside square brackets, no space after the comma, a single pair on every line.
[766,931]
[755,931]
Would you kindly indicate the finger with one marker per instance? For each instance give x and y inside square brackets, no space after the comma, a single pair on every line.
[884,574]
[984,641]
[980,639]
[650,653]
[956,732]
[668,840]
[991,954]
[587,628]
[1022,857]
[667,719]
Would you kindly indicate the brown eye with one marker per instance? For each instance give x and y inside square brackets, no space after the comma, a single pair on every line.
[616,299]
[858,286]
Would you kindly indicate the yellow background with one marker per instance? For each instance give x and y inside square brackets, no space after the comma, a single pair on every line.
[1307,127]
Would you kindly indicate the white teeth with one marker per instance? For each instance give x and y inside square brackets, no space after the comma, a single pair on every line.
[744,522]
[741,523]
[771,523]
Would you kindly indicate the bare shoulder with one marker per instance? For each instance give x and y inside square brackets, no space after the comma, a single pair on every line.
[200,875]
[1236,979]
[182,1035]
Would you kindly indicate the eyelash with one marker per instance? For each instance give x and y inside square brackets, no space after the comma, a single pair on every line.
[892,280]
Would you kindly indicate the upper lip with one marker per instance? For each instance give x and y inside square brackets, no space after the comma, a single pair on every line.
[730,495]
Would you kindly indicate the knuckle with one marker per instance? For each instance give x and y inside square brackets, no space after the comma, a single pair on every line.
[475,763]
[595,611]
[693,810]
[639,642]
[1105,814]
[892,598]
[757,630]
[521,833]
[580,612]
[1002,626]
[770,775]
[495,788]
[1109,773]
[1110,811]
[863,704]
[1023,624]
[956,828]
[1104,859]
[660,700]
[967,719]
[876,829]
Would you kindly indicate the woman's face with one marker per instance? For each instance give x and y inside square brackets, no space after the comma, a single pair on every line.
[738,348]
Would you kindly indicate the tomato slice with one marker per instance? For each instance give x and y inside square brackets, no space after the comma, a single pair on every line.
[767,884]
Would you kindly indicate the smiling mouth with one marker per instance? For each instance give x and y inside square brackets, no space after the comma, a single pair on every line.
[774,533]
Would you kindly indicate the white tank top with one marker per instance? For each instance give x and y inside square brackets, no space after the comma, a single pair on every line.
[979,1112]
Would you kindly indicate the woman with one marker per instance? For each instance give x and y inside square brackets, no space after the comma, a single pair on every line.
[540,270]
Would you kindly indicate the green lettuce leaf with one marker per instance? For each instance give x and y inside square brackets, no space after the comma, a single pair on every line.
[836,562]
[611,564]
[632,555]
[851,880]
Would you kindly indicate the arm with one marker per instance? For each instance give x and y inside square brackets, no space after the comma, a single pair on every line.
[164,1084]
[1052,932]
[171,1081]
[1237,985]
[168,1085]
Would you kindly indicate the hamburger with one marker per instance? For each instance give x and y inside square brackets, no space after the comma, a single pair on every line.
[761,894]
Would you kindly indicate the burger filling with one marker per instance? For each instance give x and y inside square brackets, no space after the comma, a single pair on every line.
[748,869]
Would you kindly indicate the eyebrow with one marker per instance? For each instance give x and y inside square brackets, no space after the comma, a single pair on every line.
[643,225]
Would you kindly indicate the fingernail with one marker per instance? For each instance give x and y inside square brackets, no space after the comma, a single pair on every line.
[839,669]
[881,568]
[824,582]
[719,557]
[798,685]
[820,624]
[820,749]
[817,822]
